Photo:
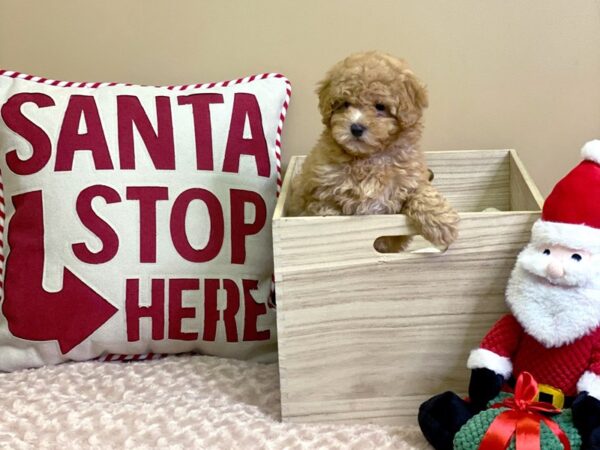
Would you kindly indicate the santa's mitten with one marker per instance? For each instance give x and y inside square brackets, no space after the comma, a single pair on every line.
[485,384]
[586,418]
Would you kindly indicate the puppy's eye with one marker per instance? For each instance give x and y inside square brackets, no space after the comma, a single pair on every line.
[546,252]
[379,106]
[336,106]
[576,256]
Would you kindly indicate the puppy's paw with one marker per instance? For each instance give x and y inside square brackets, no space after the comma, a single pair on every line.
[441,230]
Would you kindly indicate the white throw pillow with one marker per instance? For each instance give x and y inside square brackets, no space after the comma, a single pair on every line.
[137,219]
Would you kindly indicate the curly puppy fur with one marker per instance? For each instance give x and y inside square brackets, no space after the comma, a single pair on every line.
[367,160]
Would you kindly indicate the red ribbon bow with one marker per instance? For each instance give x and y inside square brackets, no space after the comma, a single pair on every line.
[522,419]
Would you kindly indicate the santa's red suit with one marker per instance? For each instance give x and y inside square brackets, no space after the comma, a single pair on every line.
[507,348]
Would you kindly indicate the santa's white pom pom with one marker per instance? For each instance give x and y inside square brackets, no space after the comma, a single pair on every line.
[591,151]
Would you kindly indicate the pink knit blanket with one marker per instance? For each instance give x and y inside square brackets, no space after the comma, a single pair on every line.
[185,402]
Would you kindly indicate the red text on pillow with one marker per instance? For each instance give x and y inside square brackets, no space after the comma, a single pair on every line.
[130,114]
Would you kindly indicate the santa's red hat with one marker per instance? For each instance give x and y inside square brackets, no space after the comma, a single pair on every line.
[571,213]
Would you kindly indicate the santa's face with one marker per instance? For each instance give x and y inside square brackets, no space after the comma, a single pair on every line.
[560,265]
[554,292]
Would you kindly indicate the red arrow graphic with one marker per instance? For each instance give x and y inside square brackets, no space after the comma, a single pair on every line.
[68,316]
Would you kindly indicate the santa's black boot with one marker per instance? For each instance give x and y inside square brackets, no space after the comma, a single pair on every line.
[586,418]
[594,440]
[441,417]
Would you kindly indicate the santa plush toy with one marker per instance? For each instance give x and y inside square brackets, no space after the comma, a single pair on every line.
[553,329]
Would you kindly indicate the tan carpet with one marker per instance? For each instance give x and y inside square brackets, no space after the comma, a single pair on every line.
[186,402]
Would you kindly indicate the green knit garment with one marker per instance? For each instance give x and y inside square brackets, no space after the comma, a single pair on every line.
[470,435]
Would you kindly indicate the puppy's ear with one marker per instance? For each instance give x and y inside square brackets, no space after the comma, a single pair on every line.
[412,99]
[325,100]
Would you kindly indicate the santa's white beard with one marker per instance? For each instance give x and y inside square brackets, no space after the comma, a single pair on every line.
[553,314]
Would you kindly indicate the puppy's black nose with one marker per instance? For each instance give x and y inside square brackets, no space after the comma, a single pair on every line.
[357,129]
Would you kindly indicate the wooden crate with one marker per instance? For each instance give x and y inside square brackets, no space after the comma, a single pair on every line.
[366,337]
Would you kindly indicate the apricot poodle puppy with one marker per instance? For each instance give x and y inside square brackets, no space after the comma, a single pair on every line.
[367,160]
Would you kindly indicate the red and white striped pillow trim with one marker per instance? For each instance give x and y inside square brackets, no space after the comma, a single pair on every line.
[94,85]
[111,357]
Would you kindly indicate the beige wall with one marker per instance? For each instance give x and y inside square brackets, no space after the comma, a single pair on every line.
[501,73]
